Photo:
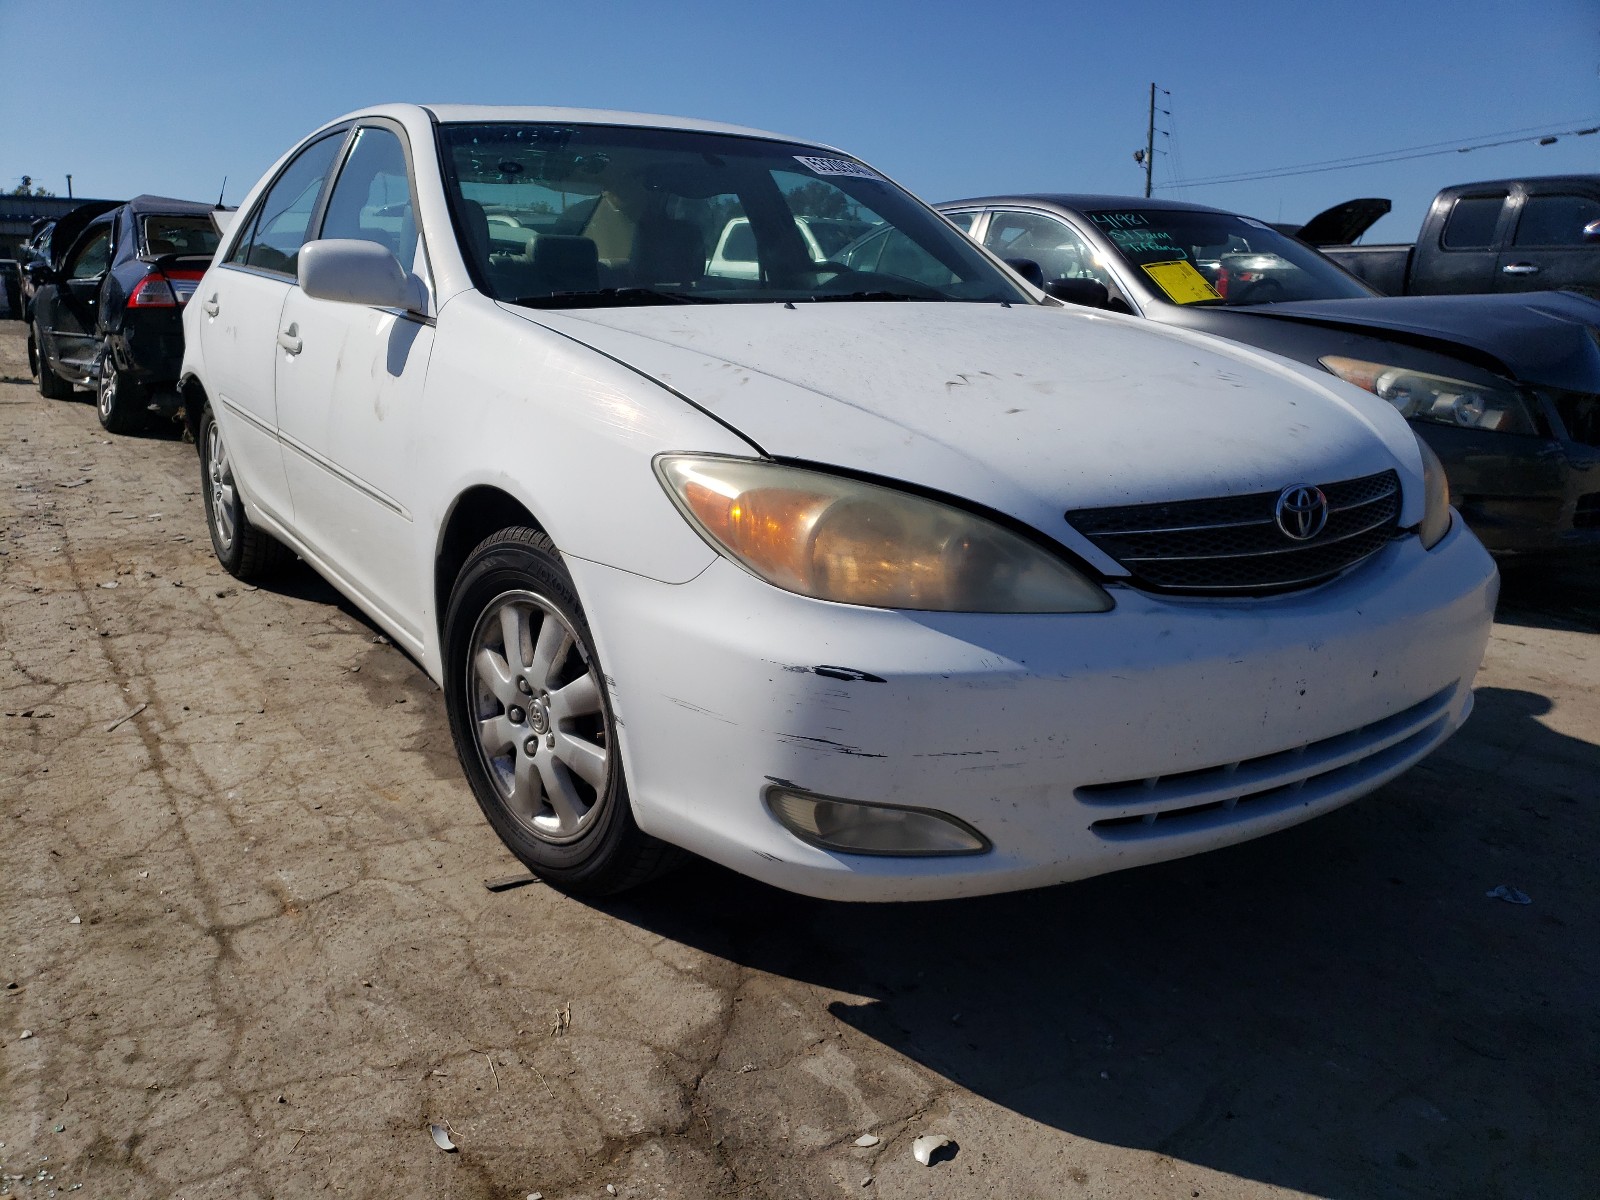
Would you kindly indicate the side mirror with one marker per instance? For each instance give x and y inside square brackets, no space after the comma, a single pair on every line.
[1028,269]
[38,272]
[351,271]
[1090,293]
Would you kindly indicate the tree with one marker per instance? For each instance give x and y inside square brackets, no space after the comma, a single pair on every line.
[26,188]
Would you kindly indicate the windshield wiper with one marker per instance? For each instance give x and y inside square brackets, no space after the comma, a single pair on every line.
[830,297]
[608,298]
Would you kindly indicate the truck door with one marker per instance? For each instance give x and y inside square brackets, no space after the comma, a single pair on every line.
[1548,248]
[1465,253]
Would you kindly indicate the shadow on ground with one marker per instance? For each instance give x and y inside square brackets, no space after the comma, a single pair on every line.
[1338,1009]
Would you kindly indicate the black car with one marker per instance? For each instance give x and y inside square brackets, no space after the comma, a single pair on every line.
[107,306]
[1506,389]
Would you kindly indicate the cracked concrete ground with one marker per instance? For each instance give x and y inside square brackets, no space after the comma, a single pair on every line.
[242,918]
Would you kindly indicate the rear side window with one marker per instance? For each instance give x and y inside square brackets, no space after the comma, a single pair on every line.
[1472,222]
[371,201]
[1556,220]
[279,224]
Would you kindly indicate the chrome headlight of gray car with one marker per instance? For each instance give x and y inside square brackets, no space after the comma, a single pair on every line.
[1427,397]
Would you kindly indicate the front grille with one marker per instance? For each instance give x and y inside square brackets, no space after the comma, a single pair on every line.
[1587,513]
[1190,801]
[1580,413]
[1234,543]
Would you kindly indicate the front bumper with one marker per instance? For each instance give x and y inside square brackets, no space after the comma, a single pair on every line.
[1076,744]
[1522,495]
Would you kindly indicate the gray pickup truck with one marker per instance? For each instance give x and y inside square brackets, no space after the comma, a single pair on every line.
[1504,235]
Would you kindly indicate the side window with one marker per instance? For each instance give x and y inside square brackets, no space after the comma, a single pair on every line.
[371,200]
[278,226]
[1472,222]
[962,221]
[1059,251]
[1555,220]
[92,257]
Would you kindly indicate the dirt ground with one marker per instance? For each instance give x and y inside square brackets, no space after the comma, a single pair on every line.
[243,923]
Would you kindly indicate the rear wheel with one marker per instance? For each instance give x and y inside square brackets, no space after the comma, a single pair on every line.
[532,721]
[119,401]
[244,551]
[51,385]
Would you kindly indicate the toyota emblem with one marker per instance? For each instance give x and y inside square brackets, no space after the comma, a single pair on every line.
[1302,512]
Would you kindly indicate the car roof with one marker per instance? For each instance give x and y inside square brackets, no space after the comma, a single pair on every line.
[167,206]
[450,114]
[1081,201]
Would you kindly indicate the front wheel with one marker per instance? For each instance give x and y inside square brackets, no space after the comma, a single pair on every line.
[51,385]
[532,720]
[119,401]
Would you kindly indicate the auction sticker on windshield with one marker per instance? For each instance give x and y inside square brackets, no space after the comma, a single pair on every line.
[837,166]
[1181,282]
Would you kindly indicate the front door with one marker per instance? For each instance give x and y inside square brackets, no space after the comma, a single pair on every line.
[68,319]
[348,395]
[1549,249]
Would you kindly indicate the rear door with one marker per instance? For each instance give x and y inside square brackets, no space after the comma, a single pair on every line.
[241,300]
[1465,251]
[1548,249]
[348,395]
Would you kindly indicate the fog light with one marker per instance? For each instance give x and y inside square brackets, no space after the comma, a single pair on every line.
[855,828]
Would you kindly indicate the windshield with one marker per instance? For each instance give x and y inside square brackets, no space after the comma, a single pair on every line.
[180,235]
[1217,258]
[581,215]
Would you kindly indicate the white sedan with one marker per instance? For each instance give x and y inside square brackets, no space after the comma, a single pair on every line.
[876,585]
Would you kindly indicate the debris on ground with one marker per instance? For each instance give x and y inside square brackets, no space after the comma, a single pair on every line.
[928,1145]
[1509,894]
[562,1022]
[505,881]
[112,728]
[441,1138]
[868,1139]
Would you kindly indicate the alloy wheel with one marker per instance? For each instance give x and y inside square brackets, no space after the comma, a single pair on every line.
[542,730]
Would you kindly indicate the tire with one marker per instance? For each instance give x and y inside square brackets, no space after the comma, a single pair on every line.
[244,551]
[51,385]
[120,402]
[533,724]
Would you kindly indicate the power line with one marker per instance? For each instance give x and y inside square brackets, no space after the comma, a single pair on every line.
[1377,158]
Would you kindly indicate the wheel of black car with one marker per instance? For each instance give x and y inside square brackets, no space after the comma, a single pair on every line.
[532,721]
[243,550]
[51,385]
[119,400]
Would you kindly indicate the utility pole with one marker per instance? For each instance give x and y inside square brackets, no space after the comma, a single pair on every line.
[69,188]
[1149,143]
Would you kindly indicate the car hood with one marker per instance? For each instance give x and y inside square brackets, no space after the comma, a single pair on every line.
[1550,338]
[1030,410]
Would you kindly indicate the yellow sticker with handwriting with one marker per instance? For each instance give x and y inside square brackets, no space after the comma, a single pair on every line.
[1181,282]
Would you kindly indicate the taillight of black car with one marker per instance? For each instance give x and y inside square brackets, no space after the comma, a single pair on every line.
[168,289]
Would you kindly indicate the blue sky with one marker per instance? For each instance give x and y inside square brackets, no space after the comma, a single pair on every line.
[951,99]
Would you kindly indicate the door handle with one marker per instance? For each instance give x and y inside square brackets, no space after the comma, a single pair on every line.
[211,306]
[289,339]
[1519,269]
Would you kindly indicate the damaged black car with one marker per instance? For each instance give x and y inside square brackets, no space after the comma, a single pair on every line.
[1505,388]
[107,308]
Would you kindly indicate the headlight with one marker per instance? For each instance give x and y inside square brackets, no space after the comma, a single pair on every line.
[1438,397]
[857,543]
[1436,491]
